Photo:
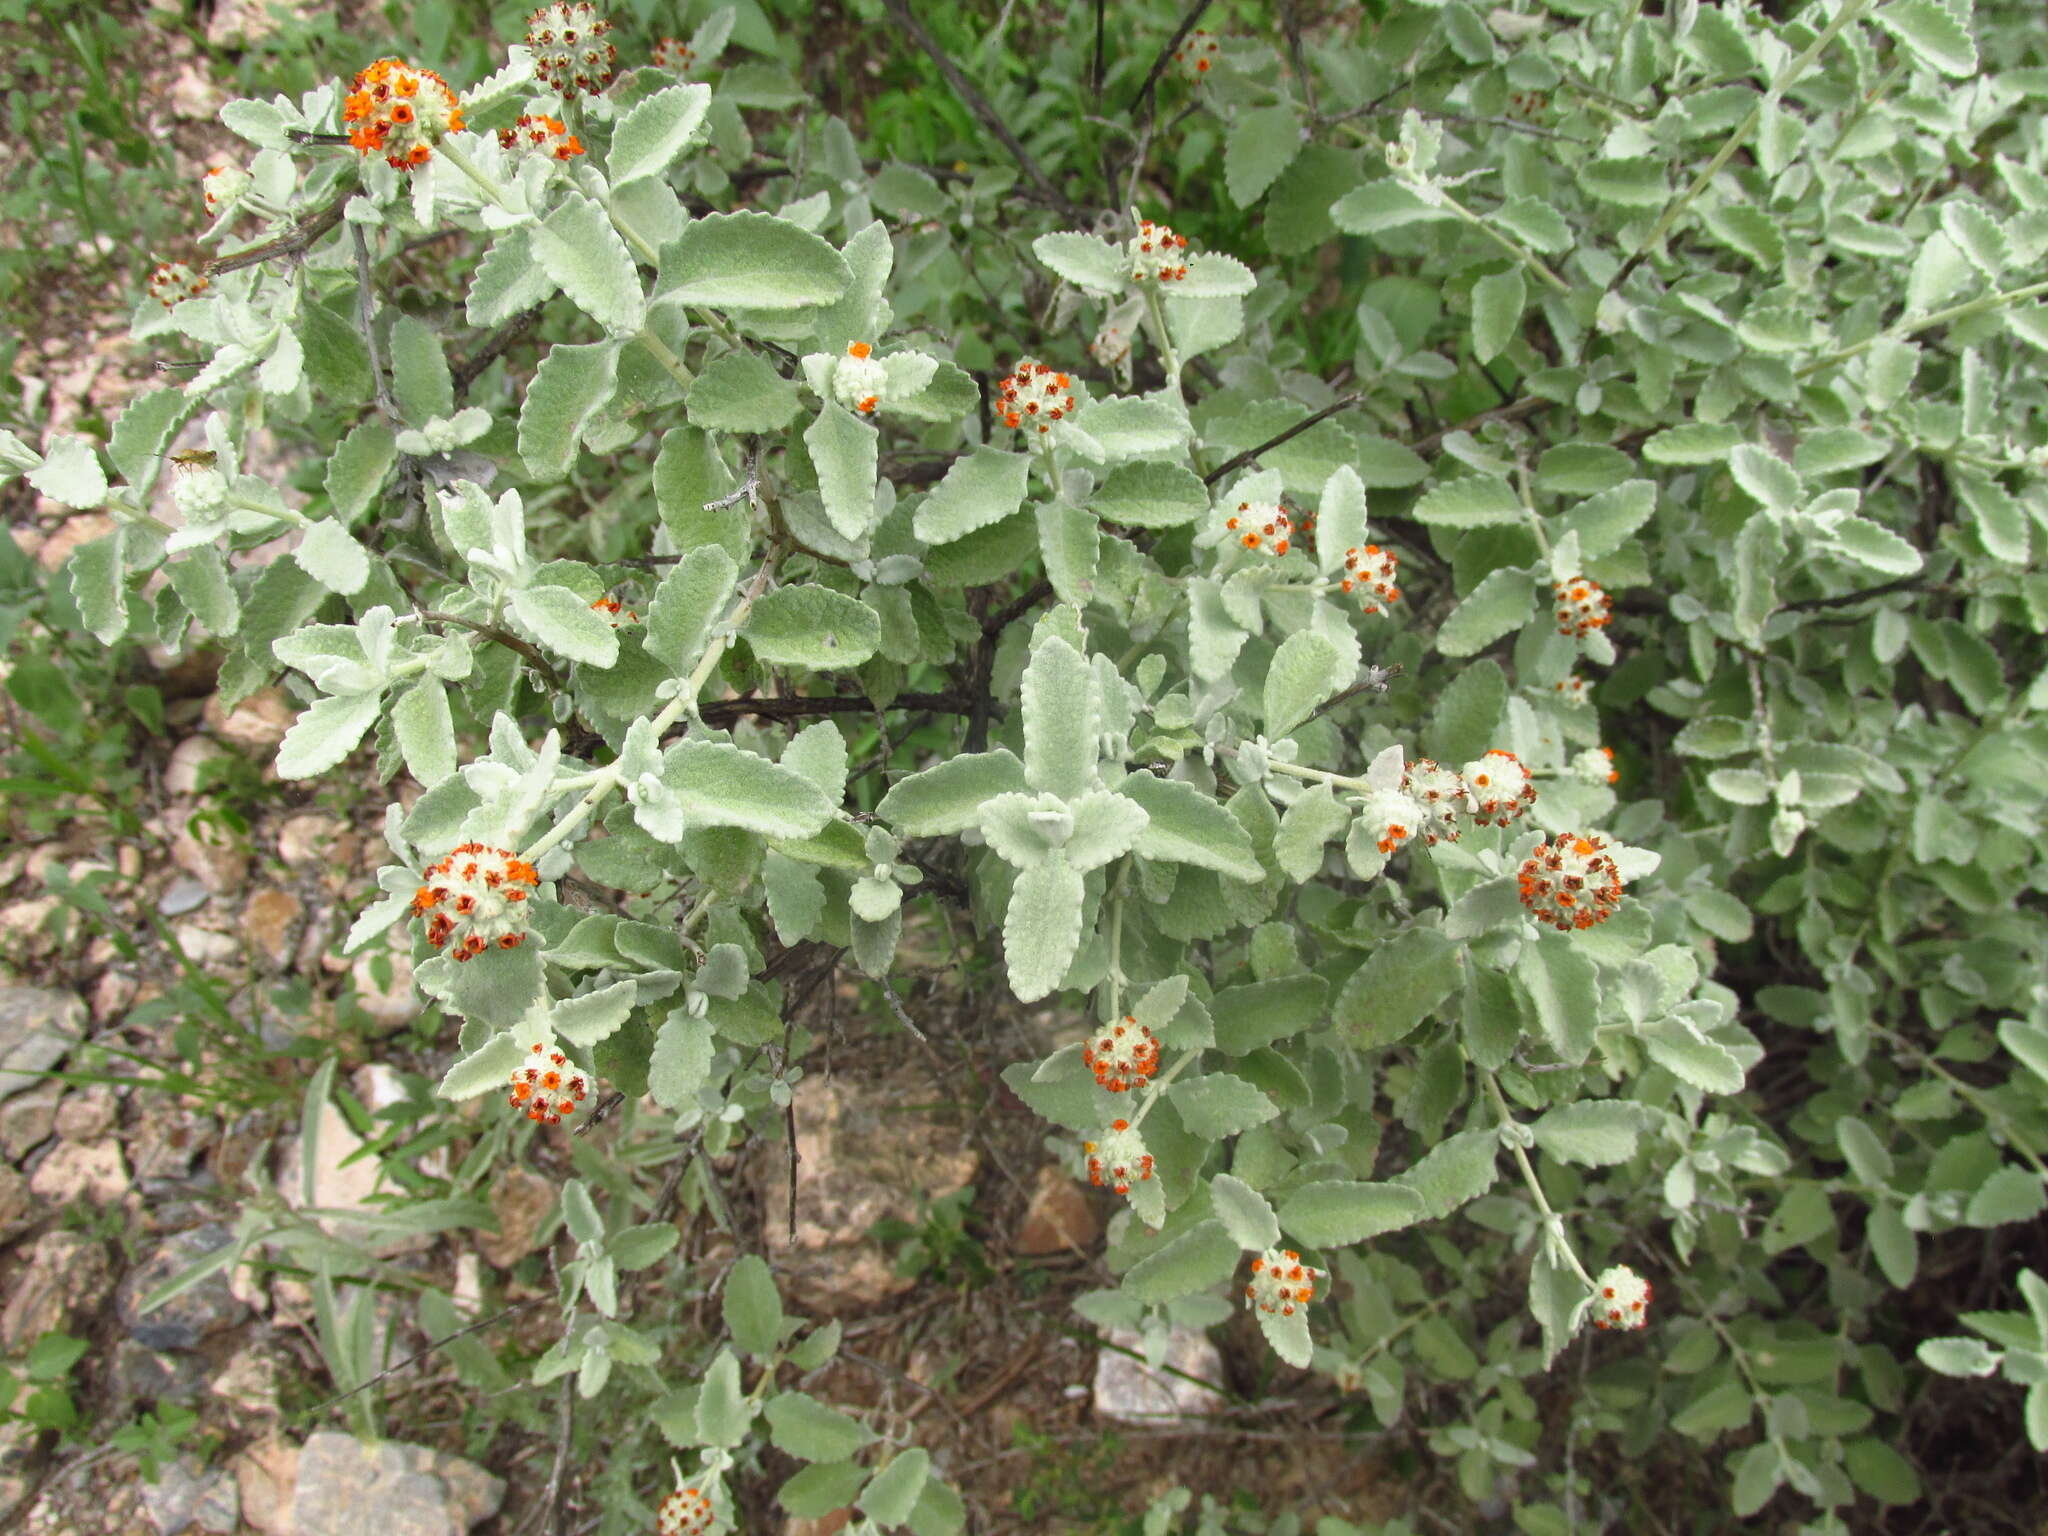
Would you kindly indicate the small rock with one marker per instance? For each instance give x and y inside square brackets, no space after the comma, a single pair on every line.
[68,1276]
[257,724]
[185,774]
[269,925]
[340,1185]
[266,1475]
[189,1496]
[69,534]
[29,1120]
[113,994]
[1131,1390]
[249,1384]
[29,929]
[205,948]
[182,895]
[211,854]
[817,1525]
[1059,1219]
[347,1487]
[81,1170]
[383,982]
[143,1376]
[15,1216]
[191,1315]
[38,1026]
[165,1138]
[521,1201]
[309,838]
[87,1114]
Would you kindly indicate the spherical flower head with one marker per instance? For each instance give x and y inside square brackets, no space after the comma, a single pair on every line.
[1621,1299]
[1442,796]
[400,112]
[548,1089]
[1281,1282]
[223,186]
[1572,689]
[1582,607]
[615,610]
[858,379]
[1122,1056]
[1501,791]
[475,899]
[1119,1159]
[1392,819]
[535,133]
[570,50]
[1034,397]
[1596,766]
[199,491]
[1196,56]
[173,282]
[1572,882]
[1157,254]
[673,55]
[1262,527]
[1370,576]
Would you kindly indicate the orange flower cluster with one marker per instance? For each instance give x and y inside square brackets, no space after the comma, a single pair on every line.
[1124,1057]
[1034,393]
[538,134]
[1281,1282]
[1501,791]
[1119,1159]
[399,111]
[570,50]
[477,897]
[1572,883]
[1262,525]
[1155,251]
[1622,1300]
[1370,573]
[1441,794]
[173,282]
[616,609]
[1197,56]
[1582,607]
[535,1088]
[674,55]
[859,378]
[222,185]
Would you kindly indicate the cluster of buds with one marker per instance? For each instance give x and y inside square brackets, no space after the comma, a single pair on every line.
[1391,819]
[545,1088]
[1621,1299]
[685,1512]
[535,133]
[223,186]
[615,610]
[1111,346]
[1123,1057]
[1156,252]
[1119,1160]
[173,282]
[1281,1282]
[674,55]
[1441,794]
[1572,690]
[1596,766]
[1034,393]
[1500,788]
[859,378]
[1197,56]
[399,112]
[1261,525]
[477,896]
[1370,573]
[570,50]
[1582,607]
[1571,883]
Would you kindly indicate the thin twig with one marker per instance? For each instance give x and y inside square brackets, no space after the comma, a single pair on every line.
[503,637]
[292,243]
[1142,102]
[500,342]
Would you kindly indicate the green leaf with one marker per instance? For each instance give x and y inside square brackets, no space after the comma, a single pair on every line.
[1747,230]
[1497,303]
[1758,1471]
[845,452]
[70,473]
[1874,546]
[1592,1132]
[1262,143]
[1105,827]
[822,1489]
[1933,32]
[1218,1104]
[572,384]
[947,798]
[812,626]
[1692,442]
[200,578]
[1042,928]
[484,1070]
[1383,205]
[426,730]
[751,261]
[1456,1171]
[721,785]
[1865,1154]
[1563,990]
[1476,501]
[681,1063]
[1151,493]
[724,1412]
[1773,482]
[1129,428]
[692,595]
[742,392]
[1399,985]
[1605,522]
[1632,181]
[1468,713]
[1535,223]
[1070,544]
[325,734]
[1189,827]
[889,1499]
[578,247]
[1306,670]
[655,132]
[358,465]
[979,490]
[563,622]
[1335,1213]
[1244,1213]
[2011,1194]
[1503,602]
[419,372]
[1084,261]
[1199,1258]
[753,1310]
[506,281]
[1958,1357]
[329,555]
[2028,1044]
[1881,1471]
[1261,1013]
[591,1017]
[1715,1412]
[1062,719]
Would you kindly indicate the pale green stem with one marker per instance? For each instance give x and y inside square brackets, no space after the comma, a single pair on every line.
[1116,936]
[1159,1085]
[661,353]
[1553,1221]
[1529,506]
[684,703]
[1850,10]
[453,153]
[1155,312]
[1506,242]
[1319,776]
[1905,328]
